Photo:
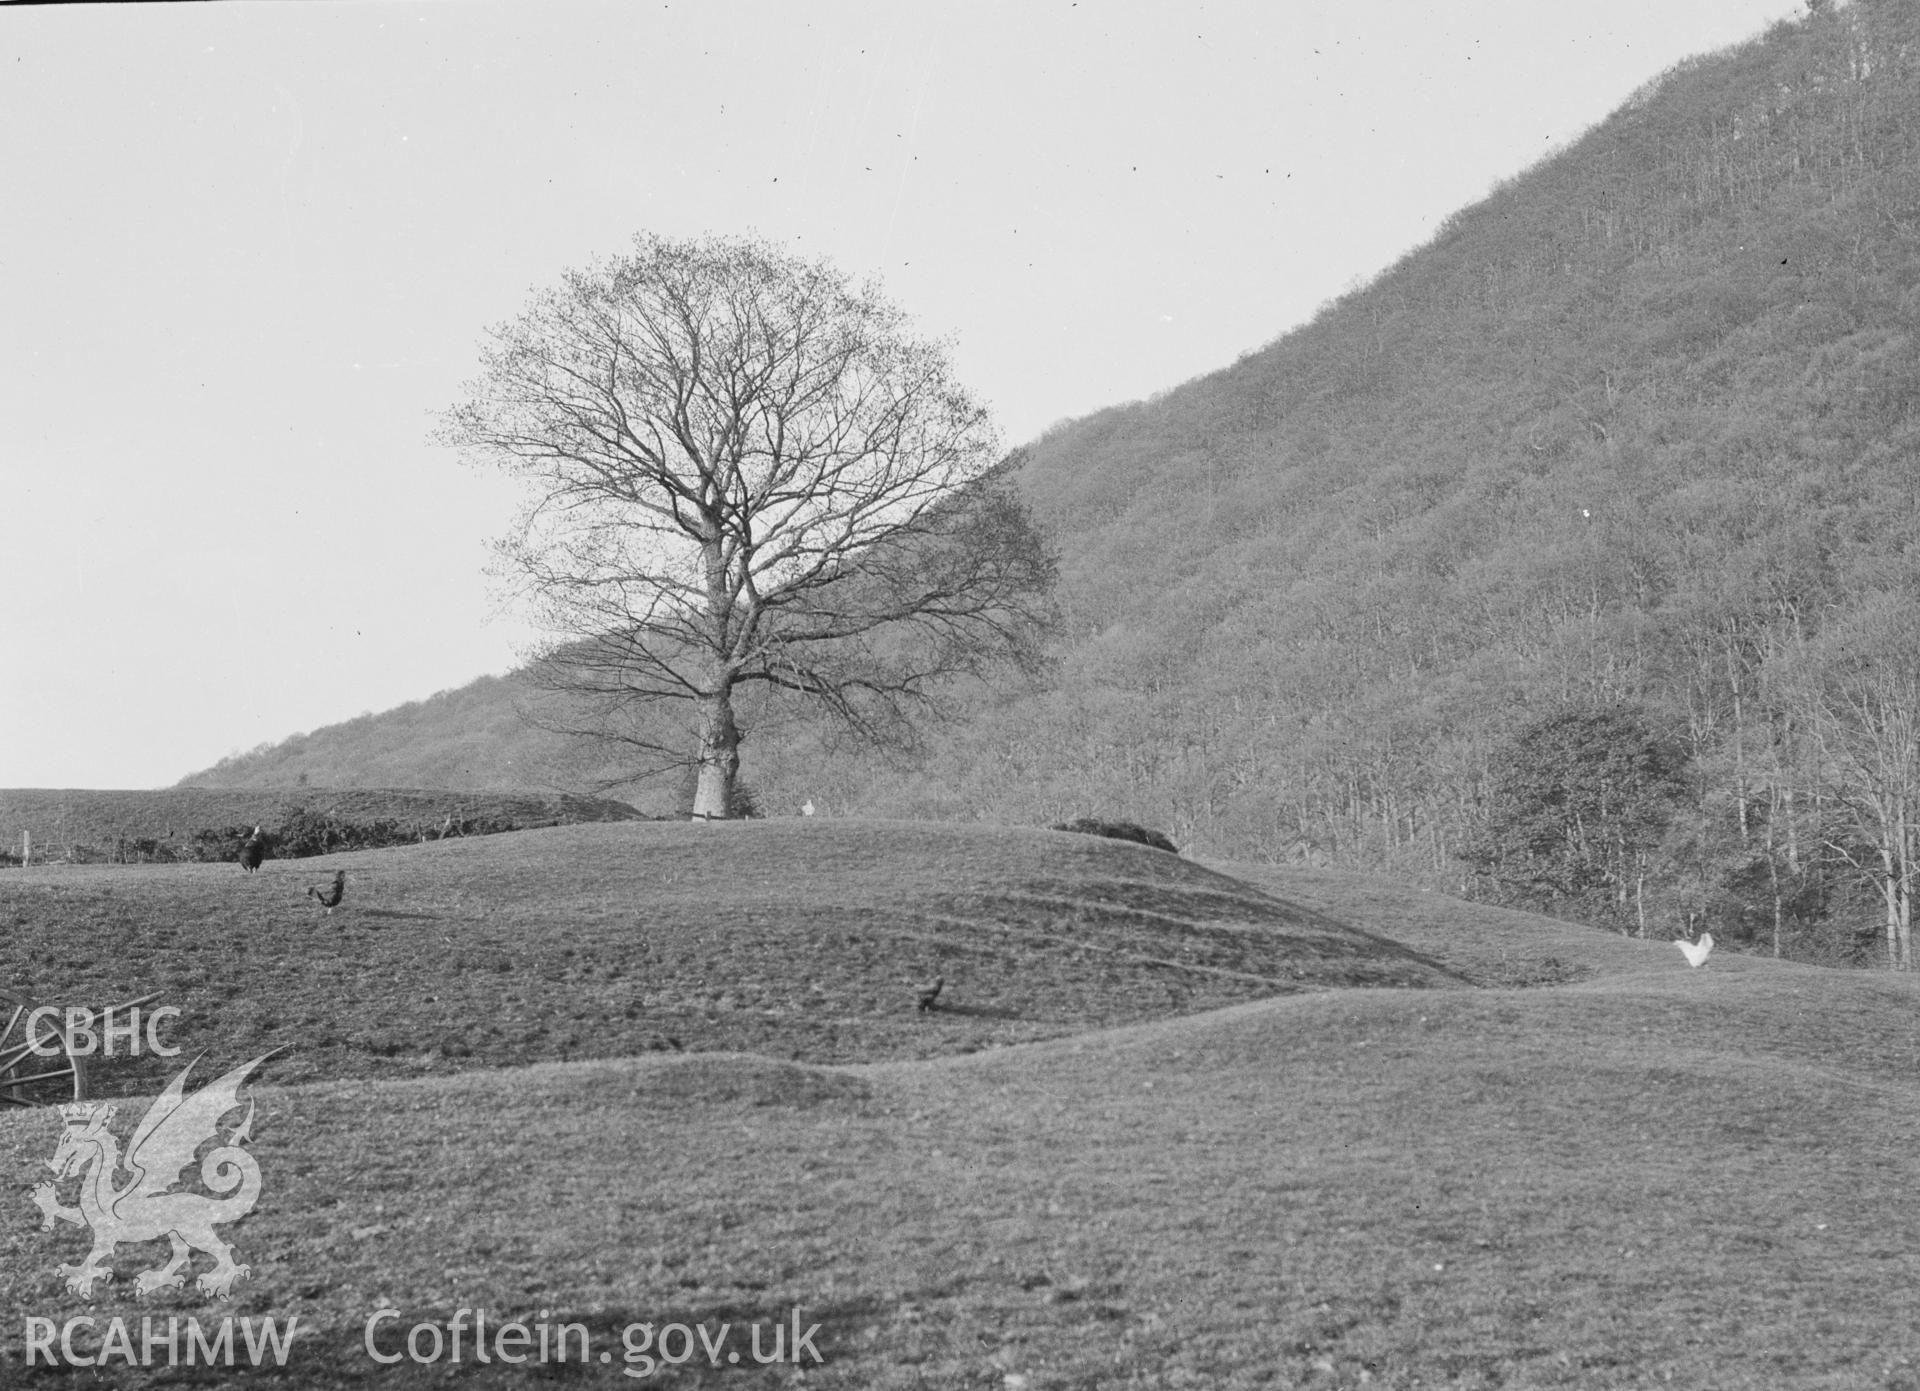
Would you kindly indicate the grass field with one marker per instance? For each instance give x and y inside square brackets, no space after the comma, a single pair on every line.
[797,939]
[1562,1159]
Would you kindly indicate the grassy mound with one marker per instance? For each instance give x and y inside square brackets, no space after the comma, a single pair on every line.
[1646,1175]
[1651,1178]
[1484,945]
[793,939]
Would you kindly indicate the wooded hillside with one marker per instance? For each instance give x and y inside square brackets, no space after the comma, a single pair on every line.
[1617,473]
[1635,433]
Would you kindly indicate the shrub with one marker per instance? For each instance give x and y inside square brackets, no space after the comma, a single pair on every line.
[1119,830]
[1578,805]
[306,832]
[217,843]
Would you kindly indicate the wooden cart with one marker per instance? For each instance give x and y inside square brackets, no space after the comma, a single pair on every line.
[44,1077]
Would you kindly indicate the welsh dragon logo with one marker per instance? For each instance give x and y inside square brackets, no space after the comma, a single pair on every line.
[145,1207]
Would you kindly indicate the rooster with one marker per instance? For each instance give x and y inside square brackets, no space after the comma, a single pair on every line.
[330,899]
[1696,952]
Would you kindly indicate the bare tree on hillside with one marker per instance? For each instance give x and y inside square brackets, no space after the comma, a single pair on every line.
[1857,691]
[747,475]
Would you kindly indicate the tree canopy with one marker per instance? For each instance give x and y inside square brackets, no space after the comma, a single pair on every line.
[1578,804]
[748,474]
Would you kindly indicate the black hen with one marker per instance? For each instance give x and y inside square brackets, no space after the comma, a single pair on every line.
[330,899]
[253,851]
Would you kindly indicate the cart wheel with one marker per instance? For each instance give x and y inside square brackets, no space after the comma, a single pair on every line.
[28,1078]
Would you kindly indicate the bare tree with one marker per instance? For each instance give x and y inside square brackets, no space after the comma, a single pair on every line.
[1857,691]
[748,475]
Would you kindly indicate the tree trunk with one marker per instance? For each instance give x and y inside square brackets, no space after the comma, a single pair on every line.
[1903,932]
[1773,875]
[1793,831]
[1903,915]
[1893,895]
[719,757]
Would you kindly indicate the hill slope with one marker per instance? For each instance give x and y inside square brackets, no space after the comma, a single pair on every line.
[1636,431]
[1651,1176]
[471,738]
[796,939]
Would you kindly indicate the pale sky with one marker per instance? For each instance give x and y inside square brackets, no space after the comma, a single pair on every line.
[247,253]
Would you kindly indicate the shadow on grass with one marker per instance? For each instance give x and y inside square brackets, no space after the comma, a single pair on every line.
[1387,944]
[975,1011]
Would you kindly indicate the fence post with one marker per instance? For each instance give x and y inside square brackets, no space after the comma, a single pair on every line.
[26,849]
